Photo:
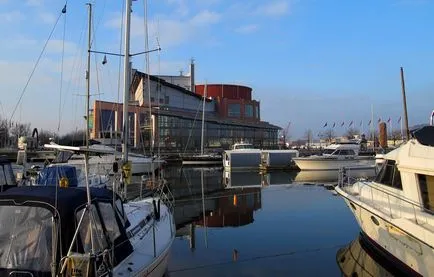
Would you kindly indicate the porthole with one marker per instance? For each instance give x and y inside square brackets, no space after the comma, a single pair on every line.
[375,220]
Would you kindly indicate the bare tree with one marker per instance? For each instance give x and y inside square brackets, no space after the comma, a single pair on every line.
[20,129]
[4,133]
[328,135]
[351,133]
[308,136]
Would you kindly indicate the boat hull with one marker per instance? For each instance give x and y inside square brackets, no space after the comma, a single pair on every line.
[390,238]
[333,164]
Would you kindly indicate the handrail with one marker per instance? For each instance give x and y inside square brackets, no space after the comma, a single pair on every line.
[353,181]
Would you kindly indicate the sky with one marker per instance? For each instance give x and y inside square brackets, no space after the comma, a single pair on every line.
[309,62]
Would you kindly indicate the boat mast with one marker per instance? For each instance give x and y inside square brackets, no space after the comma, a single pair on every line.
[203,121]
[89,37]
[125,128]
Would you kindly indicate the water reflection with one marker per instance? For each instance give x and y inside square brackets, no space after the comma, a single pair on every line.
[357,259]
[251,224]
[330,176]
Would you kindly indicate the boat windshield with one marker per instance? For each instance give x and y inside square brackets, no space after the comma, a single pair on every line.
[25,238]
[328,151]
[6,175]
[243,146]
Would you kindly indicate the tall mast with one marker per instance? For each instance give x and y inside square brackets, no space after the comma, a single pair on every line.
[203,121]
[125,128]
[89,37]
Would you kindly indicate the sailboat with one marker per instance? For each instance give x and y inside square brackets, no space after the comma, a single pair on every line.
[71,231]
[139,164]
[202,158]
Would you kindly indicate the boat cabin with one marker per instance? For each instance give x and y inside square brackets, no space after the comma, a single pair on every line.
[242,145]
[409,170]
[342,149]
[38,226]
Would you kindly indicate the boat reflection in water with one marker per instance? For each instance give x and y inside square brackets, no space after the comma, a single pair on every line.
[359,259]
[328,176]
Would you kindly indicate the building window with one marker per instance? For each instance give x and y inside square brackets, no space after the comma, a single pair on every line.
[107,123]
[152,99]
[257,111]
[248,112]
[161,101]
[166,99]
[234,110]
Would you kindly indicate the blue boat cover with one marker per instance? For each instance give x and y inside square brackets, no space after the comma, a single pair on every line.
[50,176]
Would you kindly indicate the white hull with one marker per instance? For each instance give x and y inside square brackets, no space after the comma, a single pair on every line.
[144,261]
[394,235]
[332,164]
[105,164]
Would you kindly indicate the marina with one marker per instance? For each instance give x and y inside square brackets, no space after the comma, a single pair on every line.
[216,138]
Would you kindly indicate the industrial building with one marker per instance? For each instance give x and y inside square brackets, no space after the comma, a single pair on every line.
[170,117]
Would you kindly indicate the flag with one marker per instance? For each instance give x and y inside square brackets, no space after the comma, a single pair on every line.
[325,125]
[343,123]
[334,124]
[351,123]
[369,123]
[379,120]
[399,119]
[388,121]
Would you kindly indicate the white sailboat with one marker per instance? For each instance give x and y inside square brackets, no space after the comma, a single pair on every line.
[67,231]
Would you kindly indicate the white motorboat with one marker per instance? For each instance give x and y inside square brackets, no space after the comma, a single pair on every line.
[336,156]
[396,210]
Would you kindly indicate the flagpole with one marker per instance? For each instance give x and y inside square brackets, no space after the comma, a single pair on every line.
[372,127]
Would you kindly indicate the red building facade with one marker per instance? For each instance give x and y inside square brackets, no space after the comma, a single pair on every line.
[233,101]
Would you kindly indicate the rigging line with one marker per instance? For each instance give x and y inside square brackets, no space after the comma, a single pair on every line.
[119,69]
[260,257]
[152,129]
[61,69]
[193,125]
[36,64]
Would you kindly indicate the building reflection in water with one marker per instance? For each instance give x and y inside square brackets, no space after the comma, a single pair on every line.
[359,259]
[202,198]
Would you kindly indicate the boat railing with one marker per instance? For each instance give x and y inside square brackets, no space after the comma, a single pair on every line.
[396,206]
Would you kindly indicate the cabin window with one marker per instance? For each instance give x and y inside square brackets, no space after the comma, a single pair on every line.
[328,151]
[426,184]
[389,175]
[25,238]
[109,219]
[91,220]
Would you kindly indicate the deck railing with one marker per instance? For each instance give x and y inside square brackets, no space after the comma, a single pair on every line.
[396,206]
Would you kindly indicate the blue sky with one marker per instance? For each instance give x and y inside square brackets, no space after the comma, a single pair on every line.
[308,61]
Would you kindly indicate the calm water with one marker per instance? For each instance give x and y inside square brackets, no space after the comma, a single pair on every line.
[246,224]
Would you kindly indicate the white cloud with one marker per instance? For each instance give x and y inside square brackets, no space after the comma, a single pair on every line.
[46,17]
[34,3]
[170,31]
[12,16]
[247,29]
[56,46]
[276,8]
[182,8]
[205,18]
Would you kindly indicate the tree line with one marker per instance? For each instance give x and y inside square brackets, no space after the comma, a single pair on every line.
[10,132]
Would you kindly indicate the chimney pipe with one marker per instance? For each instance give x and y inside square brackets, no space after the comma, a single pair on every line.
[192,85]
